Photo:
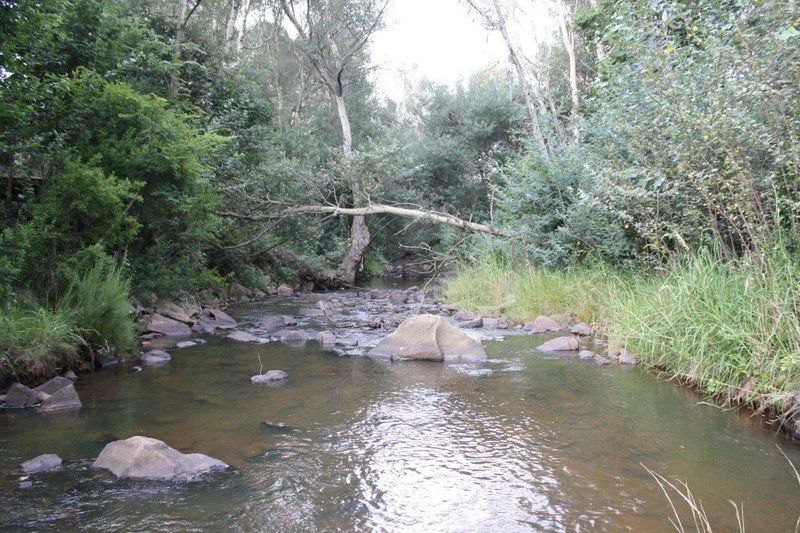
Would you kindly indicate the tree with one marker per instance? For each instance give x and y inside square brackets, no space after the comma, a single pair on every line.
[494,18]
[331,35]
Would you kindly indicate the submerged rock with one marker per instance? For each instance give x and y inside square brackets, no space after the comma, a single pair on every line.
[560,344]
[586,354]
[167,326]
[42,463]
[246,336]
[429,338]
[65,399]
[155,357]
[293,337]
[272,323]
[270,376]
[145,458]
[105,360]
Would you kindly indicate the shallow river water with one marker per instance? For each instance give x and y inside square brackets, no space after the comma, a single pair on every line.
[348,443]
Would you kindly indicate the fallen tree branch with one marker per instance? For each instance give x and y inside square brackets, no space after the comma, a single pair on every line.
[375,209]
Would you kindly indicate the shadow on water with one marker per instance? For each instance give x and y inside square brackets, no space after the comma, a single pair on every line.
[521,442]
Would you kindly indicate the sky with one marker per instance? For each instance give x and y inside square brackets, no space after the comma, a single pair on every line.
[442,41]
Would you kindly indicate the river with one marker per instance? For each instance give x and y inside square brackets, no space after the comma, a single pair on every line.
[351,444]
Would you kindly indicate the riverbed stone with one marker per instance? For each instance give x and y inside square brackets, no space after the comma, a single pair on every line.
[65,399]
[221,319]
[581,328]
[560,344]
[151,459]
[54,385]
[105,360]
[270,376]
[491,323]
[311,298]
[19,397]
[311,312]
[205,327]
[155,357]
[474,323]
[171,310]
[271,323]
[398,297]
[294,337]
[158,323]
[586,354]
[463,316]
[600,360]
[326,338]
[70,375]
[347,341]
[246,336]
[46,462]
[186,344]
[429,338]
[541,324]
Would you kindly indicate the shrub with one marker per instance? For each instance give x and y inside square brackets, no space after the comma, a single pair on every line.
[37,343]
[99,303]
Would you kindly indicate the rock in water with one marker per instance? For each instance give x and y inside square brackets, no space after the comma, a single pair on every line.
[41,463]
[167,326]
[429,338]
[145,458]
[155,357]
[222,320]
[54,385]
[541,324]
[19,396]
[173,311]
[65,399]
[560,344]
[246,336]
[270,376]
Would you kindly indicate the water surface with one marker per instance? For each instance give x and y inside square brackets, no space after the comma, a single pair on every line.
[522,442]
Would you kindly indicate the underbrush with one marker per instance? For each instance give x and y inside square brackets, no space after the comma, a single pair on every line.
[729,327]
[93,313]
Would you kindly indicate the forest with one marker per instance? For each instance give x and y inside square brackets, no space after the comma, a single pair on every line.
[640,170]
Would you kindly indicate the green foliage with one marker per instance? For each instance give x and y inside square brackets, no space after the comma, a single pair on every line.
[35,343]
[99,303]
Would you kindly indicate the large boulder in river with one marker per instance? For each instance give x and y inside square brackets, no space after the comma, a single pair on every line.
[429,338]
[222,320]
[19,396]
[54,385]
[146,458]
[167,326]
[65,399]
[560,344]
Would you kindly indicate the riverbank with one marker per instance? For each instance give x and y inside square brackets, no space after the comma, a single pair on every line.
[728,328]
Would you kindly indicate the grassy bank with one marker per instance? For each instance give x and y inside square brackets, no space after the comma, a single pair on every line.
[38,340]
[727,327]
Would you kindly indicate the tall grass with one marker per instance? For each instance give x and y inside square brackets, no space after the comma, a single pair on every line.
[100,303]
[730,327]
[94,312]
[35,343]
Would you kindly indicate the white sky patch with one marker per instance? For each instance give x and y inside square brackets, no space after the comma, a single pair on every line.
[442,41]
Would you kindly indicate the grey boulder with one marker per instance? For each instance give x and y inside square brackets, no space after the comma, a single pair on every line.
[429,338]
[155,357]
[19,396]
[246,336]
[42,463]
[167,326]
[54,385]
[145,458]
[560,344]
[65,399]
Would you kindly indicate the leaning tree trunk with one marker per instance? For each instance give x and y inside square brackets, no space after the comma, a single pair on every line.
[359,232]
[568,37]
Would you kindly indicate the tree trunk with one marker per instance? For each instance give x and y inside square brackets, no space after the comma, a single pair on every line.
[180,36]
[359,232]
[527,90]
[230,25]
[569,44]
